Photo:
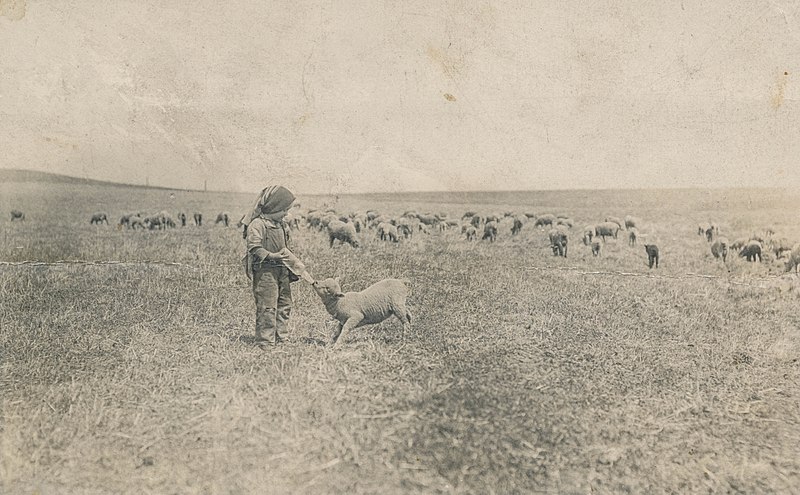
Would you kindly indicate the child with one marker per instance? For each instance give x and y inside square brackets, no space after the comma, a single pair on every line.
[267,244]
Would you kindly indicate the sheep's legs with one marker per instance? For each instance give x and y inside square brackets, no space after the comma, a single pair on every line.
[404,315]
[336,333]
[343,330]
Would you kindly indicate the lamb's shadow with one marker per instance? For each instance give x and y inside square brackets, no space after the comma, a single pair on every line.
[243,339]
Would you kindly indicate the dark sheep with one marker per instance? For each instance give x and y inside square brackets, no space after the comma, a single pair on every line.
[516,227]
[751,251]
[559,240]
[652,255]
[198,219]
[544,220]
[490,232]
[17,215]
[606,229]
[182,218]
[99,218]
[222,218]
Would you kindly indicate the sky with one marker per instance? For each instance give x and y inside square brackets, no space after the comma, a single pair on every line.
[369,96]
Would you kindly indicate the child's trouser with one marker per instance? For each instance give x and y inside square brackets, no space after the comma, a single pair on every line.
[273,303]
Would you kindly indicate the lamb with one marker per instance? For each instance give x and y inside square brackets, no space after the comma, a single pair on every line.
[198,219]
[596,246]
[751,251]
[652,255]
[720,248]
[516,227]
[476,221]
[739,243]
[472,233]
[344,232]
[387,232]
[372,305]
[558,242]
[588,233]
[405,228]
[633,234]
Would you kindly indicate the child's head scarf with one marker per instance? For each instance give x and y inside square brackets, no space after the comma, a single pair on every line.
[272,199]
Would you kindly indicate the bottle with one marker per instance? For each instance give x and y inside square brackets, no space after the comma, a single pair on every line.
[297,267]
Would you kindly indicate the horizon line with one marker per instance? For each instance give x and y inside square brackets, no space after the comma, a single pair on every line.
[88,181]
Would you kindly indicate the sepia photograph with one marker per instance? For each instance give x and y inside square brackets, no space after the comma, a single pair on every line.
[399,247]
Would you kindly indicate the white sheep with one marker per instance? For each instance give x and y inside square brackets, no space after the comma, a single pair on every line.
[345,232]
[372,305]
[387,232]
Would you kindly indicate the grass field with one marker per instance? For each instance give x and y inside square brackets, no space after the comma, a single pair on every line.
[524,373]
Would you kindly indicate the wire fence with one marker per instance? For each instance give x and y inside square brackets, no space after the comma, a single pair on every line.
[752,282]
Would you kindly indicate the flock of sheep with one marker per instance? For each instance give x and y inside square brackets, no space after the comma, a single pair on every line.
[344,228]
[752,247]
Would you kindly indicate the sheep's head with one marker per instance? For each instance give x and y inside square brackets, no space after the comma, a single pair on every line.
[328,288]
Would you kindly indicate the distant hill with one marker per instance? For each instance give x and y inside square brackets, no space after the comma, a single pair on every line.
[17,175]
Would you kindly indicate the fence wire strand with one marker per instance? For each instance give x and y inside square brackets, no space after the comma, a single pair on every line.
[578,270]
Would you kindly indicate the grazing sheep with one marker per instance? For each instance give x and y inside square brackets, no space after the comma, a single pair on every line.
[490,231]
[223,218]
[565,221]
[780,246]
[198,219]
[182,218]
[387,232]
[423,228]
[720,248]
[652,255]
[588,233]
[709,234]
[617,221]
[429,220]
[492,218]
[751,251]
[632,222]
[472,233]
[17,215]
[516,227]
[702,227]
[546,219]
[372,305]
[794,259]
[406,230]
[739,243]
[125,220]
[292,220]
[467,215]
[99,218]
[136,221]
[606,229]
[530,215]
[344,232]
[476,221]
[633,235]
[596,246]
[558,242]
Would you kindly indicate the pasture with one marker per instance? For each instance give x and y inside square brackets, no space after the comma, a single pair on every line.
[524,372]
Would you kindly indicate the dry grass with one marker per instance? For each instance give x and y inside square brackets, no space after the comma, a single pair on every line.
[523,373]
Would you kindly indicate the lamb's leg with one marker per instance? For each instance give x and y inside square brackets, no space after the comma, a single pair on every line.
[336,333]
[351,323]
[404,316]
